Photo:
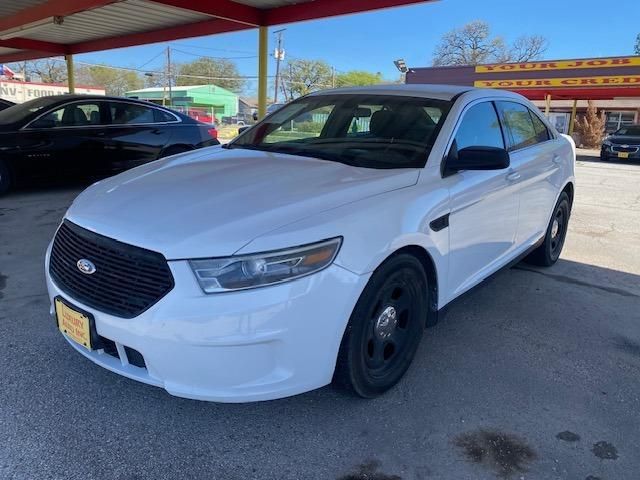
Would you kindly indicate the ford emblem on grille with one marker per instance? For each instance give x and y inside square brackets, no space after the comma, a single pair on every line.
[86,266]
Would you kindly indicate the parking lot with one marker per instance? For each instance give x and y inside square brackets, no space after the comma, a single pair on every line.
[533,376]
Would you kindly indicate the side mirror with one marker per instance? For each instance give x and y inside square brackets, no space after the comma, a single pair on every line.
[242,129]
[476,158]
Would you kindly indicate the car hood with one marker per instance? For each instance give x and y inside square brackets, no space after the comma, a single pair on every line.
[214,201]
[624,139]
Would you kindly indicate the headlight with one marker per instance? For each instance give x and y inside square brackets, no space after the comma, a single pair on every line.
[606,143]
[217,275]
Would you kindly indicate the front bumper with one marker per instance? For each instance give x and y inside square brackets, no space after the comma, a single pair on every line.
[244,346]
[609,154]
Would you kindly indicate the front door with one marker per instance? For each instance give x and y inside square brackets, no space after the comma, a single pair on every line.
[483,217]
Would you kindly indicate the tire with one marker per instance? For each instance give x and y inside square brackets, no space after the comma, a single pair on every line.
[385,328]
[548,253]
[174,150]
[5,178]
[604,158]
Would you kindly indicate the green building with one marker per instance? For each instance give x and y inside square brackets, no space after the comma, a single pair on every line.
[195,100]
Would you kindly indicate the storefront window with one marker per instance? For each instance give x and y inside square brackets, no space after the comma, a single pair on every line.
[615,120]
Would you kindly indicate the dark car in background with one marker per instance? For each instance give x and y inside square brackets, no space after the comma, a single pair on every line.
[5,104]
[71,136]
[623,144]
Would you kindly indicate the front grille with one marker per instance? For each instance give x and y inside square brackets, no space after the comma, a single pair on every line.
[628,149]
[127,279]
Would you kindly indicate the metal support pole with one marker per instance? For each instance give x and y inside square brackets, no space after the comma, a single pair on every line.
[71,82]
[263,56]
[572,122]
[169,76]
[547,107]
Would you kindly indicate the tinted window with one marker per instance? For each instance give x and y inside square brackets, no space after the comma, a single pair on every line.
[542,134]
[480,128]
[131,114]
[162,116]
[519,125]
[71,115]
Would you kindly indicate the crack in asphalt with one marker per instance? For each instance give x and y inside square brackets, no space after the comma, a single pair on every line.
[581,283]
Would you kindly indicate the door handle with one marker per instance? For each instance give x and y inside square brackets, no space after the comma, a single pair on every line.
[513,176]
[557,159]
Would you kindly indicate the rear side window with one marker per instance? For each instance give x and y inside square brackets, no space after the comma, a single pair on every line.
[519,125]
[480,128]
[542,133]
[131,114]
[162,116]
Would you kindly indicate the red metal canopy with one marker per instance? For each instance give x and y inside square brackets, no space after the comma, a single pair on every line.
[42,28]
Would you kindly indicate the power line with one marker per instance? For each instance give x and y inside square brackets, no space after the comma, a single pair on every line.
[210,57]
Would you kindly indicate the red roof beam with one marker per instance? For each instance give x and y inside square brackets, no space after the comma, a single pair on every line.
[48,9]
[224,9]
[23,55]
[329,8]
[198,29]
[35,45]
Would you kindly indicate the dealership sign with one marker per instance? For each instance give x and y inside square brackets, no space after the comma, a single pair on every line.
[560,65]
[615,76]
[633,80]
[22,91]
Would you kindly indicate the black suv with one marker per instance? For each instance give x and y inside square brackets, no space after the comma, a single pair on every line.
[622,144]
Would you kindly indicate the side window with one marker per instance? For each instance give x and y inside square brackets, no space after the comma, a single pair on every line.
[130,114]
[542,133]
[163,117]
[480,128]
[71,115]
[519,125]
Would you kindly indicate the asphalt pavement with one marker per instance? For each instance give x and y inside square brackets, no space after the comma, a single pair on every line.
[533,376]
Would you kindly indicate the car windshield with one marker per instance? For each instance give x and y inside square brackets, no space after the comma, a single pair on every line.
[631,131]
[372,131]
[22,111]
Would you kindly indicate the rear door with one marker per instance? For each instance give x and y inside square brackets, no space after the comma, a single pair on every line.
[484,205]
[532,149]
[136,134]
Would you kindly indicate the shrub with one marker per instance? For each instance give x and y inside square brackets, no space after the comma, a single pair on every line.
[591,127]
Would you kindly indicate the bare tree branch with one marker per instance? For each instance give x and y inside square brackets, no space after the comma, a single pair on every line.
[473,44]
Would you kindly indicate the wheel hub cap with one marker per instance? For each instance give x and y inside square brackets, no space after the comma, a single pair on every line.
[555,228]
[387,322]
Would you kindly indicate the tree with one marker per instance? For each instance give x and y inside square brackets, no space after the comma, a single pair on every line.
[205,71]
[473,44]
[591,127]
[305,76]
[47,70]
[637,46]
[115,81]
[358,78]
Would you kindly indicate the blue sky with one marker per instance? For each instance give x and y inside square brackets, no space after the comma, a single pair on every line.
[371,41]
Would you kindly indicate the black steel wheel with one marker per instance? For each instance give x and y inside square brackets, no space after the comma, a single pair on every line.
[548,253]
[385,328]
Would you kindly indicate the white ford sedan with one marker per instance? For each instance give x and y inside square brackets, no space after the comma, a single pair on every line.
[316,246]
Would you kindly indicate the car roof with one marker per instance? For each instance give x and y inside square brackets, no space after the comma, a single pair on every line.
[435,91]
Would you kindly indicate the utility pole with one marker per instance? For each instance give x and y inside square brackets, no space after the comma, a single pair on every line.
[169,75]
[279,54]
